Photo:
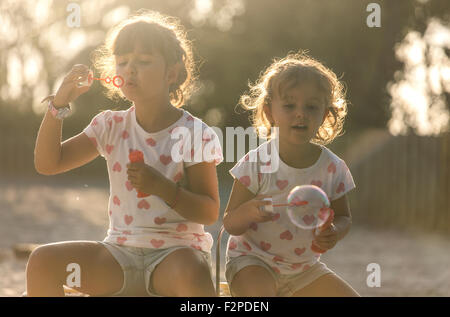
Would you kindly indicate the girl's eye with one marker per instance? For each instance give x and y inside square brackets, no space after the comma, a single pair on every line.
[289,106]
[311,107]
[122,64]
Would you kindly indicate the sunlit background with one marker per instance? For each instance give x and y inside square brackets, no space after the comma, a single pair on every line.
[396,144]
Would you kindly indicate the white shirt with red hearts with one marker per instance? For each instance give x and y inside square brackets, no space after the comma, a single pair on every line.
[282,245]
[149,222]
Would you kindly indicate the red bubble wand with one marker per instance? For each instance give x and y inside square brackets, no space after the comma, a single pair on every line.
[116,80]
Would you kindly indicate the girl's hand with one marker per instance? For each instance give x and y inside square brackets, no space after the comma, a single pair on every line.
[143,177]
[69,89]
[327,238]
[254,209]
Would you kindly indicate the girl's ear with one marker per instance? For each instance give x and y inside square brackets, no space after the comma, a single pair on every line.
[327,110]
[172,73]
[268,113]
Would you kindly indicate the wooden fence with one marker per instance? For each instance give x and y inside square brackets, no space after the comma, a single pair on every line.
[404,183]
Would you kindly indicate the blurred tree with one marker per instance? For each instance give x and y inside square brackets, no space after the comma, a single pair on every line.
[234,40]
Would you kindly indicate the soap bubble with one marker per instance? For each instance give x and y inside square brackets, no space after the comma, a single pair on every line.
[308,207]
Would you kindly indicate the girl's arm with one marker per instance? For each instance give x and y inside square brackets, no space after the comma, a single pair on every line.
[50,156]
[328,238]
[199,202]
[244,208]
[342,216]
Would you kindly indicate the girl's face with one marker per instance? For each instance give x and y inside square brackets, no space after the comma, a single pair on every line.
[145,75]
[298,113]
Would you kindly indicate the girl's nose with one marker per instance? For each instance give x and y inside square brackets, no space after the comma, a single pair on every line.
[299,113]
[131,68]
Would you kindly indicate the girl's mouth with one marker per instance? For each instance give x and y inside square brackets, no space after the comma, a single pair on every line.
[300,127]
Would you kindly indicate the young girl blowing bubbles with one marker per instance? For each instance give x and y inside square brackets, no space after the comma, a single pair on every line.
[158,206]
[267,255]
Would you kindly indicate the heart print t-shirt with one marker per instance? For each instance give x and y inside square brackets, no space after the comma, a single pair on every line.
[283,246]
[148,222]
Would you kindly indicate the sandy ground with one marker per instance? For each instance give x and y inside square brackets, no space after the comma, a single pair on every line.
[44,211]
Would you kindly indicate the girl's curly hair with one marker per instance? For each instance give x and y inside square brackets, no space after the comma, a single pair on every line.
[154,32]
[288,72]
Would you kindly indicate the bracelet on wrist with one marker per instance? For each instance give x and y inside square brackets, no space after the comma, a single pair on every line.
[59,113]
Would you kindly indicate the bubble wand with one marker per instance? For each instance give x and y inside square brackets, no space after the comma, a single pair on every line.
[116,80]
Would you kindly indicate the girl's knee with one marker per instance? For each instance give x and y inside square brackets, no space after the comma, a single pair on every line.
[42,262]
[39,258]
[253,281]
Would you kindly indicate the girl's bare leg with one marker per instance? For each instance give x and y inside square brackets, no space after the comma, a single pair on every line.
[328,285]
[183,273]
[253,281]
[100,274]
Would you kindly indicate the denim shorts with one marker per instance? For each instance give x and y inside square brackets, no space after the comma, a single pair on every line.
[138,265]
[286,284]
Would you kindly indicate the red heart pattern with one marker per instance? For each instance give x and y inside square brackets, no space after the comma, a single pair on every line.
[286,235]
[232,245]
[245,180]
[296,266]
[299,251]
[308,219]
[150,142]
[341,188]
[109,148]
[247,246]
[165,159]
[128,219]
[128,186]
[157,243]
[121,240]
[277,259]
[118,119]
[181,227]
[125,134]
[265,246]
[116,200]
[282,184]
[117,167]
[160,221]
[332,168]
[143,204]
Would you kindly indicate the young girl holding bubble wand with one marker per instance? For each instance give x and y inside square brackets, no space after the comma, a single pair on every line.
[272,250]
[156,243]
